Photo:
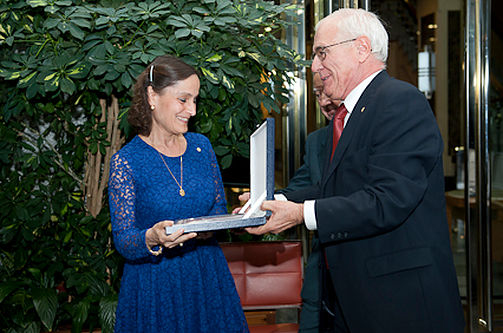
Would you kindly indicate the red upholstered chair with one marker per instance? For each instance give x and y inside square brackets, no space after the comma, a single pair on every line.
[268,277]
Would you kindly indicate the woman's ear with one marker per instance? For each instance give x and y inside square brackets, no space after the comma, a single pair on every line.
[151,96]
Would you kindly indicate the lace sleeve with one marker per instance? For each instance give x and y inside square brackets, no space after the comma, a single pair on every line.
[128,239]
[220,204]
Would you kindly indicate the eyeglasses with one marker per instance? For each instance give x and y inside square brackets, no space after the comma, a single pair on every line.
[321,52]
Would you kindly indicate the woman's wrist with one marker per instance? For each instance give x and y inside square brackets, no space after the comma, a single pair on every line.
[155,252]
[152,243]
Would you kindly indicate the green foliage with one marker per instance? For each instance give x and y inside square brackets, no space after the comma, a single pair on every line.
[58,58]
[75,53]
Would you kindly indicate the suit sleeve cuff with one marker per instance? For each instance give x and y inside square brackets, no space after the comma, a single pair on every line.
[310,215]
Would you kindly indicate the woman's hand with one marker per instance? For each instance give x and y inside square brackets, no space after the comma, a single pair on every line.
[157,236]
[243,197]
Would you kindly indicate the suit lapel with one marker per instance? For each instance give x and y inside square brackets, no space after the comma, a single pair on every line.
[351,126]
[324,148]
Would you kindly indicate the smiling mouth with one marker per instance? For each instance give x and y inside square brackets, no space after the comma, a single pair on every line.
[185,120]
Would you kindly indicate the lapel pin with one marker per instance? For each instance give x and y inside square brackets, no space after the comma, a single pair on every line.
[363,109]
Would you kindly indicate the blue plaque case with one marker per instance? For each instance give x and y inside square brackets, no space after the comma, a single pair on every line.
[261,188]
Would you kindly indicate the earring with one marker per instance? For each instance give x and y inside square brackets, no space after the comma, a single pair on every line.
[152,107]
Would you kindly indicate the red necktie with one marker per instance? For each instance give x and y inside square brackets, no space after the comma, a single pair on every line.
[339,116]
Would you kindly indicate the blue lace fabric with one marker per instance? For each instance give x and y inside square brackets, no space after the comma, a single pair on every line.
[187,289]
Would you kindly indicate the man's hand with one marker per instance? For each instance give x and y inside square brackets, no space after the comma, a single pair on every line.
[285,214]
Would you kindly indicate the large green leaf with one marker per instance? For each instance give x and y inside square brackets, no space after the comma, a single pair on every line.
[37,3]
[67,85]
[7,287]
[76,31]
[80,313]
[177,22]
[51,23]
[82,23]
[226,161]
[180,33]
[108,306]
[45,301]
[210,75]
[31,327]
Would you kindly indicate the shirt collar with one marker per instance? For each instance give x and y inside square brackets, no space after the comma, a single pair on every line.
[356,93]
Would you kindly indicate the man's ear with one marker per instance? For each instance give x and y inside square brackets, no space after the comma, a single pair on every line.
[364,48]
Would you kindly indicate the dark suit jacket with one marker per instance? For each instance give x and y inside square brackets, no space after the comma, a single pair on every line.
[381,216]
[315,159]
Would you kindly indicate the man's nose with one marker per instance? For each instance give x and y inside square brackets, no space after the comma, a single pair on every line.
[315,66]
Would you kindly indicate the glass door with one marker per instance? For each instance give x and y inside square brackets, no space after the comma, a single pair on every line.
[483,195]
[495,154]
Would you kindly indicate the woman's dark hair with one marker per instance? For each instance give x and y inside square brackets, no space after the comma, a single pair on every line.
[163,72]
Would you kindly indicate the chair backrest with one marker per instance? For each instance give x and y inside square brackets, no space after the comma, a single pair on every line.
[268,275]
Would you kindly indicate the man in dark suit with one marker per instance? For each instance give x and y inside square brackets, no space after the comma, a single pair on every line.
[380,208]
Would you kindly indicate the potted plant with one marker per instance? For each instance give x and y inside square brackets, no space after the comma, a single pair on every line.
[67,69]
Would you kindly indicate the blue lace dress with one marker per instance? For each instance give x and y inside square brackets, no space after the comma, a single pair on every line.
[187,289]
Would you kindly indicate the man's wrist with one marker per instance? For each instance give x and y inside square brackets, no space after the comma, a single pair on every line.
[301,212]
[310,215]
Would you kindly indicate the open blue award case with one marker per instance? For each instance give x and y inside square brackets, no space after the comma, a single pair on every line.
[261,188]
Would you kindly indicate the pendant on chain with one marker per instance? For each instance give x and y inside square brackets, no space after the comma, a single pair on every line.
[180,185]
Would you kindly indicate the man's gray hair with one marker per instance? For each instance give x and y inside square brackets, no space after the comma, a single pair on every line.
[353,23]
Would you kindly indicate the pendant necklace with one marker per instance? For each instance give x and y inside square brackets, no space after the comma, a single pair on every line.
[180,184]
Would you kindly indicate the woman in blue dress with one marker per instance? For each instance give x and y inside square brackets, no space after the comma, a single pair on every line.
[178,282]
